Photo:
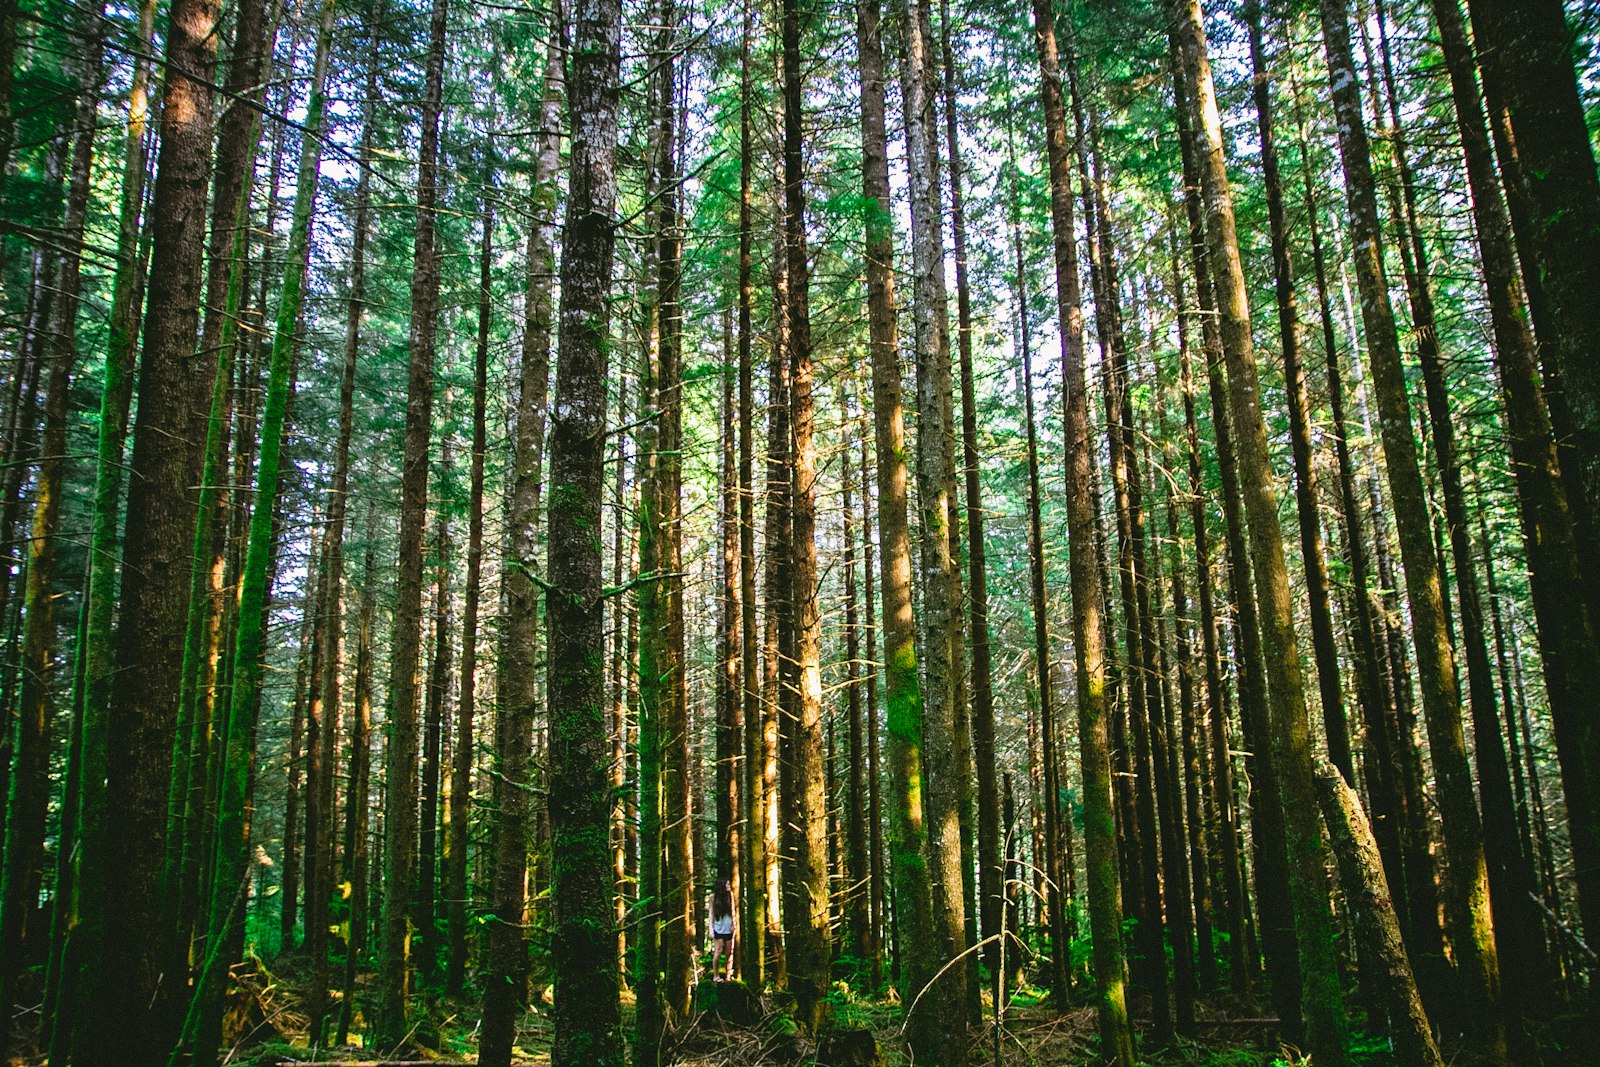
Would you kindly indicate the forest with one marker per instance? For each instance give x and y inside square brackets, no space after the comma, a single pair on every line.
[772,532]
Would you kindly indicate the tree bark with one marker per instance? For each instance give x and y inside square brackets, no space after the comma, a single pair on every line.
[149,642]
[1567,626]
[400,773]
[1266,810]
[232,866]
[354,858]
[463,752]
[1296,394]
[1466,889]
[22,936]
[1320,995]
[1088,618]
[81,919]
[907,830]
[588,1027]
[808,944]
[435,715]
[506,962]
[935,472]
[1044,674]
[1367,892]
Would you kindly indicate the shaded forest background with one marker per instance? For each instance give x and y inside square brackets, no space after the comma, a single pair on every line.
[1080,513]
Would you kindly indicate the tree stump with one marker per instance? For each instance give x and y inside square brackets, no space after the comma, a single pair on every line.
[732,1002]
[848,1048]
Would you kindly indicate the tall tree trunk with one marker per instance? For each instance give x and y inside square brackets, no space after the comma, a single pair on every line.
[1044,674]
[149,643]
[23,937]
[982,690]
[1466,889]
[1266,808]
[435,714]
[506,962]
[1567,626]
[1526,51]
[1320,995]
[730,652]
[81,918]
[1367,894]
[752,871]
[202,1029]
[776,588]
[678,895]
[456,840]
[588,1027]
[354,856]
[331,610]
[400,772]
[238,143]
[1214,728]
[1088,604]
[869,644]
[657,655]
[808,944]
[1201,814]
[1296,394]
[1510,881]
[858,903]
[1147,774]
[1399,829]
[907,830]
[935,471]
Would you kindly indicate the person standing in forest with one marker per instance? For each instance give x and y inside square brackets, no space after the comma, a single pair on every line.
[724,931]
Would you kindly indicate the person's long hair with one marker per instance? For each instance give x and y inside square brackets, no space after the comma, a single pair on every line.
[722,899]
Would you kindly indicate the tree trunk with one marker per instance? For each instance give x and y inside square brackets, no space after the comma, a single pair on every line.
[400,772]
[435,715]
[1088,618]
[857,877]
[730,653]
[935,470]
[875,877]
[907,831]
[1044,674]
[462,756]
[1367,893]
[678,895]
[1157,838]
[1266,809]
[81,919]
[776,626]
[232,866]
[587,1023]
[808,946]
[506,961]
[353,868]
[331,609]
[1214,728]
[1466,882]
[1510,881]
[149,646]
[752,870]
[1547,163]
[1320,995]
[1296,395]
[982,694]
[1566,624]
[22,937]
[238,144]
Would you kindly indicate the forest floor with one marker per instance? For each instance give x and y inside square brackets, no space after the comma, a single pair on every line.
[266,1027]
